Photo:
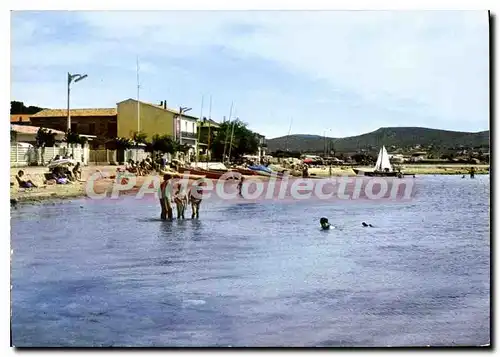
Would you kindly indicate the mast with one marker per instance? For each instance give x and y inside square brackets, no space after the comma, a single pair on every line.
[231,142]
[201,118]
[227,132]
[209,119]
[288,135]
[138,105]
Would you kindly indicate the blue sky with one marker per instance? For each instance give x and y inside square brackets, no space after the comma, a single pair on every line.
[345,73]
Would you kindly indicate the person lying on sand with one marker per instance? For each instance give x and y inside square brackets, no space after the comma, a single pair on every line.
[24,183]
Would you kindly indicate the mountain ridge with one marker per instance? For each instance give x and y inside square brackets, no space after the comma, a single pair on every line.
[402,137]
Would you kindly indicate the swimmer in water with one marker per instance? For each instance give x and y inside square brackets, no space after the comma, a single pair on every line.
[324,223]
[366,225]
[240,185]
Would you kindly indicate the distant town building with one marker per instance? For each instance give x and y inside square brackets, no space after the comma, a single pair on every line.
[98,122]
[152,119]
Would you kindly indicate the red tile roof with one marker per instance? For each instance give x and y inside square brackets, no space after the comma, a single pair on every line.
[90,112]
[29,129]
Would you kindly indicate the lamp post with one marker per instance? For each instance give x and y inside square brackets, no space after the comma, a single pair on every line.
[72,78]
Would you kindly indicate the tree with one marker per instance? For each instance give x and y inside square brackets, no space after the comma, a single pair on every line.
[163,144]
[139,137]
[244,141]
[123,143]
[73,138]
[19,108]
[183,148]
[44,138]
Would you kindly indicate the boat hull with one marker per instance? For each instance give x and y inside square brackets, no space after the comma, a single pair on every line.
[245,171]
[209,174]
[376,174]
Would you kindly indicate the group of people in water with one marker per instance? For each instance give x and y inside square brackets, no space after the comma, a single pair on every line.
[180,197]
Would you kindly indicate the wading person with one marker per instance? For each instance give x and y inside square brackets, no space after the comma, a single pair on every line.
[240,186]
[194,198]
[166,198]
[180,199]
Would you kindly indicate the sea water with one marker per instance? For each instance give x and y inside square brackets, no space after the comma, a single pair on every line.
[110,273]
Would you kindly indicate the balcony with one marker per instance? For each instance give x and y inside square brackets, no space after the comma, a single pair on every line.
[188,135]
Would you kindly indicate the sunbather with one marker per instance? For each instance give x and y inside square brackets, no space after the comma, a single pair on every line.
[24,183]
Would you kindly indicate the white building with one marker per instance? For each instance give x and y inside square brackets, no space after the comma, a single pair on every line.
[188,133]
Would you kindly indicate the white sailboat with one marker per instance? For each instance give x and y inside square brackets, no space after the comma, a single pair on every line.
[382,167]
[383,164]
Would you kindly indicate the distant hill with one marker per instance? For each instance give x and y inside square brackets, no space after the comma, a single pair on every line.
[401,137]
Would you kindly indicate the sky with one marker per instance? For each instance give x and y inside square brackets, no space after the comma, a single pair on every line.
[339,73]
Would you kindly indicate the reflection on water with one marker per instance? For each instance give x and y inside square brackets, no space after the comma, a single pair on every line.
[256,274]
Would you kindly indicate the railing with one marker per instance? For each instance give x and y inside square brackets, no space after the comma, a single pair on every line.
[188,135]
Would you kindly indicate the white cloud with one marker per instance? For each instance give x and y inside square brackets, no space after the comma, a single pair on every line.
[432,64]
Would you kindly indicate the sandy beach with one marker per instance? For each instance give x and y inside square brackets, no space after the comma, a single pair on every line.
[105,184]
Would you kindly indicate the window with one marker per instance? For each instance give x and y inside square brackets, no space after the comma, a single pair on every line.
[194,128]
[74,127]
[186,125]
[92,128]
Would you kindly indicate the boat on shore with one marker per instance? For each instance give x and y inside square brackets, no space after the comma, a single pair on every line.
[262,170]
[209,174]
[383,167]
[245,171]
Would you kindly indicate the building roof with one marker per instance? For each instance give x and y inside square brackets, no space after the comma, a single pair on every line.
[29,129]
[24,118]
[157,106]
[207,122]
[62,113]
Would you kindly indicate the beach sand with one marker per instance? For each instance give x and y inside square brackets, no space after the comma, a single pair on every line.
[105,184]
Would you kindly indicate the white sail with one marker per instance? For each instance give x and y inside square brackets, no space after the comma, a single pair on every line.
[379,161]
[383,162]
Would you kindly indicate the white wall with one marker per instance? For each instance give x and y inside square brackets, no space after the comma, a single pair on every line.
[22,156]
[189,126]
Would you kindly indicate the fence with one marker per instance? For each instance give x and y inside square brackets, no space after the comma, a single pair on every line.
[27,156]
[114,157]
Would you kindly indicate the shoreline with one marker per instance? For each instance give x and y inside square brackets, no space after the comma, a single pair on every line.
[57,193]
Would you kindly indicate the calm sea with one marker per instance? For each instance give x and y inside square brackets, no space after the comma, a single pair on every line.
[256,274]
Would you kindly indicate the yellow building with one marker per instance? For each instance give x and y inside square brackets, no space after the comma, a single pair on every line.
[153,119]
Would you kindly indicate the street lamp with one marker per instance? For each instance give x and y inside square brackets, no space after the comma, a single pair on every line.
[73,78]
